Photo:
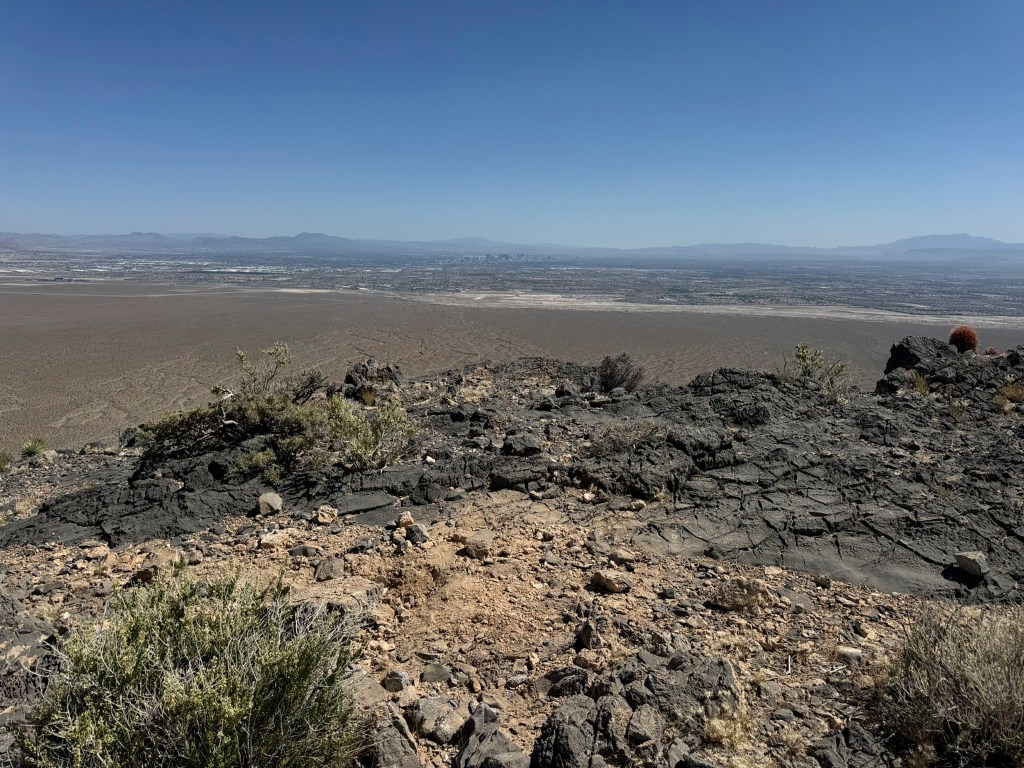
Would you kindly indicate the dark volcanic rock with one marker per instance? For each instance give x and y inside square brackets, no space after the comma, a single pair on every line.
[650,711]
[882,489]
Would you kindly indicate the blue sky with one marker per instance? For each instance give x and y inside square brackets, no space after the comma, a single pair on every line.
[595,123]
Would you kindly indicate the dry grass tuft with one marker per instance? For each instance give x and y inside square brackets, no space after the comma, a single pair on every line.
[921,385]
[957,688]
[622,436]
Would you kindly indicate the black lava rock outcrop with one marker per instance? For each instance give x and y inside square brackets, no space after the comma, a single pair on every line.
[883,489]
[653,711]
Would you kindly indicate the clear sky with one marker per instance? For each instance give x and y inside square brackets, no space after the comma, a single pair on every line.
[624,123]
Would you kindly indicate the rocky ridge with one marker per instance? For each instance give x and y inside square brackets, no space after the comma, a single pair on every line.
[677,576]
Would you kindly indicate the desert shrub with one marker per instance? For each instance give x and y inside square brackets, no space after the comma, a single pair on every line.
[298,429]
[369,441]
[921,384]
[368,394]
[258,379]
[991,351]
[956,687]
[34,447]
[1013,392]
[258,464]
[957,407]
[302,387]
[5,461]
[732,729]
[964,338]
[621,436]
[190,673]
[620,371]
[810,363]
[182,433]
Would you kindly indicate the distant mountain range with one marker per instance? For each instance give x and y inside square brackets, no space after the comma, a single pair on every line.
[321,244]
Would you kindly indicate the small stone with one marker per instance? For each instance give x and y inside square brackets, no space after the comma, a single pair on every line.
[330,568]
[270,503]
[522,445]
[396,680]
[405,519]
[611,581]
[435,673]
[696,622]
[493,701]
[849,654]
[304,550]
[621,556]
[437,719]
[417,534]
[273,540]
[194,557]
[587,659]
[972,563]
[325,514]
[478,546]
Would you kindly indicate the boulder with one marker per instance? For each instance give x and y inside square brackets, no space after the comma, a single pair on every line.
[270,503]
[478,545]
[973,563]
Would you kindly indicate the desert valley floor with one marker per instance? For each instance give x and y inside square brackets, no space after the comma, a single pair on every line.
[84,360]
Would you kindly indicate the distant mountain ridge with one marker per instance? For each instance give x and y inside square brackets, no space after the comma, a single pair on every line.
[319,243]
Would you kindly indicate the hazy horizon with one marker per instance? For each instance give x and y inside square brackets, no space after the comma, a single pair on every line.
[613,125]
[186,236]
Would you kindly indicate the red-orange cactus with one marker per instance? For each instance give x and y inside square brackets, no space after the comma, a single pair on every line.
[963,337]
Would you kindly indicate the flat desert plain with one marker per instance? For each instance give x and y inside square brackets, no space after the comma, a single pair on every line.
[82,361]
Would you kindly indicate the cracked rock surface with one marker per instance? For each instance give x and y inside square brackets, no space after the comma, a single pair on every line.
[884,489]
[700,576]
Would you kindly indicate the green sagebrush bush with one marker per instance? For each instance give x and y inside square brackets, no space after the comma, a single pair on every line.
[810,363]
[297,428]
[198,674]
[956,688]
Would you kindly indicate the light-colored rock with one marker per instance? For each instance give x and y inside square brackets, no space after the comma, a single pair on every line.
[849,654]
[611,581]
[270,503]
[972,563]
[274,540]
[435,673]
[325,514]
[478,546]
